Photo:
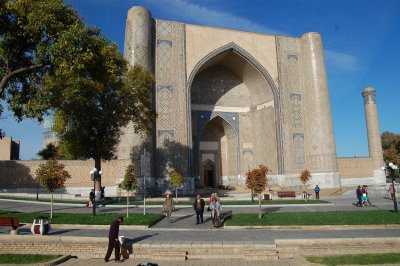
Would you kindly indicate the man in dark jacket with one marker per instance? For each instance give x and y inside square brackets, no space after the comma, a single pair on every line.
[113,242]
[199,208]
[359,194]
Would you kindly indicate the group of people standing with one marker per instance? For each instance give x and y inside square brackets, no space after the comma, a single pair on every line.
[214,205]
[362,196]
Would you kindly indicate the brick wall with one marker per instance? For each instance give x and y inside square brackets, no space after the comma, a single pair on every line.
[83,247]
[355,167]
[20,174]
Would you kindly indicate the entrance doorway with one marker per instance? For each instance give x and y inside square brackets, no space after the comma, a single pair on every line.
[208,172]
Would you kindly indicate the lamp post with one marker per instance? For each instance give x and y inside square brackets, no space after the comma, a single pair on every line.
[391,168]
[95,175]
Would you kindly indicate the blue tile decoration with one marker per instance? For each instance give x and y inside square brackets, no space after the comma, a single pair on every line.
[166,132]
[167,42]
[203,117]
[165,87]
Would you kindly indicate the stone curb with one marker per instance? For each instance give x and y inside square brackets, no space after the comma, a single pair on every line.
[315,227]
[93,226]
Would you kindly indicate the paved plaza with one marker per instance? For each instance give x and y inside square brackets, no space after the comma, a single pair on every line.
[184,229]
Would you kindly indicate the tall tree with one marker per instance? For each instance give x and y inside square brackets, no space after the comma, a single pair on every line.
[52,176]
[94,96]
[257,181]
[129,184]
[391,147]
[29,29]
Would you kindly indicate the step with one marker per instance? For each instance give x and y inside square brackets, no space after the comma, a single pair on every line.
[204,251]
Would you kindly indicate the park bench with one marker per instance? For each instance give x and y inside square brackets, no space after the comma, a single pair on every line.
[11,222]
[287,194]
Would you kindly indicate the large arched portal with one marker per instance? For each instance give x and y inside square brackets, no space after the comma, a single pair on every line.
[233,118]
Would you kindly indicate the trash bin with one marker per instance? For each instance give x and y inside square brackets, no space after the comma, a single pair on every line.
[40,227]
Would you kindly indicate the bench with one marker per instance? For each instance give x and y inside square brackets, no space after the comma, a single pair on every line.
[10,222]
[287,194]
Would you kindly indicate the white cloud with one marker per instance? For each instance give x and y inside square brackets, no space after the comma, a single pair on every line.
[183,10]
[342,60]
[196,14]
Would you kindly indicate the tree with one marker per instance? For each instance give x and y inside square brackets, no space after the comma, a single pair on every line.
[95,96]
[51,175]
[49,152]
[304,177]
[257,181]
[129,184]
[391,147]
[29,31]
[176,180]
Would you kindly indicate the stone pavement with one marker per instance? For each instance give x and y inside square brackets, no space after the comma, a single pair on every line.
[183,228]
[227,262]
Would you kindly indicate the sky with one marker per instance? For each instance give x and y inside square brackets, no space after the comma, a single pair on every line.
[361,40]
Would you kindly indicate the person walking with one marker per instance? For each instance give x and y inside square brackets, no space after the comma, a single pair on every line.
[113,242]
[168,206]
[391,191]
[199,208]
[359,195]
[216,209]
[91,199]
[316,190]
[365,196]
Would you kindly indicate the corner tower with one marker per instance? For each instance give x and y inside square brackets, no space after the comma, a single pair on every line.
[374,136]
[137,50]
[320,144]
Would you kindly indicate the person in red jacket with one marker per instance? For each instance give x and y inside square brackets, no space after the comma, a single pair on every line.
[113,242]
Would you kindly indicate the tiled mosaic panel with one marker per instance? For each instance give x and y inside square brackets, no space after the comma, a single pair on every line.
[265,149]
[295,112]
[218,86]
[298,144]
[289,56]
[171,94]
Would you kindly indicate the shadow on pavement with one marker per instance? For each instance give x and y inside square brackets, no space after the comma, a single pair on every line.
[182,218]
[59,232]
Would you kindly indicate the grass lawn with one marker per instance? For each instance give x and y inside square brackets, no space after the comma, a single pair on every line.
[227,203]
[179,202]
[361,259]
[75,218]
[44,200]
[25,258]
[315,218]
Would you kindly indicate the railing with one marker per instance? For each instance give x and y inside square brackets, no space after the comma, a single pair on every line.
[337,192]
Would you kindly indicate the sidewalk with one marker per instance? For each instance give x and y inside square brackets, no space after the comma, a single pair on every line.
[281,262]
[184,229]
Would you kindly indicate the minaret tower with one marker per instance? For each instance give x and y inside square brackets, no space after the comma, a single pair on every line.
[137,50]
[374,136]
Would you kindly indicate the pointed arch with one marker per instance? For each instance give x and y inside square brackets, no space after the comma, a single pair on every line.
[275,92]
